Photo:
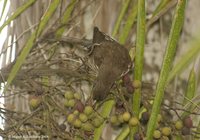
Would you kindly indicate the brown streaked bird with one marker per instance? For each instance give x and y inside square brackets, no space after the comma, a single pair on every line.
[112,60]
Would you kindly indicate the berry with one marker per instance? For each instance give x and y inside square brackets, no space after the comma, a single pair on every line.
[77,96]
[166,131]
[69,95]
[130,88]
[136,84]
[133,121]
[87,126]
[76,112]
[145,117]
[83,117]
[71,103]
[113,119]
[164,138]
[120,118]
[179,125]
[126,116]
[187,121]
[185,131]
[156,134]
[66,103]
[70,118]
[77,123]
[126,79]
[97,121]
[159,118]
[79,106]
[88,110]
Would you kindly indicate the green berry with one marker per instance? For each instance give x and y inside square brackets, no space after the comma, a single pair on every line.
[77,96]
[77,123]
[136,84]
[159,118]
[120,118]
[157,125]
[179,125]
[166,131]
[133,121]
[156,134]
[71,103]
[88,110]
[83,117]
[126,116]
[70,118]
[69,95]
[97,121]
[76,112]
[87,126]
[66,103]
[164,138]
[113,119]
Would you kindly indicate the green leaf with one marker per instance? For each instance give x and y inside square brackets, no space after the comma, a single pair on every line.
[120,17]
[128,24]
[65,17]
[106,109]
[190,93]
[124,133]
[17,13]
[185,59]
[47,16]
[191,87]
[26,49]
[160,10]
[166,66]
[139,54]
[4,6]
[162,4]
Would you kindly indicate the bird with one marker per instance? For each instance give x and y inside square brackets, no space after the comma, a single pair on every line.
[112,60]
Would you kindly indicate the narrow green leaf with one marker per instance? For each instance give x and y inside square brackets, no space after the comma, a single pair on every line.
[17,13]
[106,109]
[128,24]
[160,6]
[191,87]
[160,10]
[21,58]
[65,17]
[139,54]
[4,6]
[190,93]
[120,17]
[166,66]
[124,133]
[185,59]
[47,16]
